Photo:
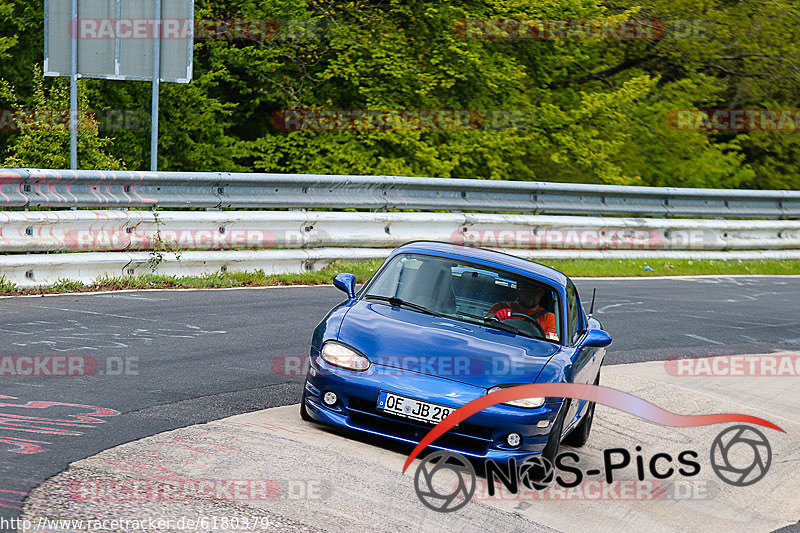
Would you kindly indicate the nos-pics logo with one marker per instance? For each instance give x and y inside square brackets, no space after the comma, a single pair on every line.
[446,481]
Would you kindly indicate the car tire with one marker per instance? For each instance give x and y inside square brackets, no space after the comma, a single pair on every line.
[580,434]
[550,451]
[303,411]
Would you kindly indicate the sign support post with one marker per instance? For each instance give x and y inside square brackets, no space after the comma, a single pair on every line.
[75,47]
[73,88]
[156,85]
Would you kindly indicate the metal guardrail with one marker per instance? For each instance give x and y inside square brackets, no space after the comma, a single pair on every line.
[32,270]
[84,188]
[122,230]
[116,242]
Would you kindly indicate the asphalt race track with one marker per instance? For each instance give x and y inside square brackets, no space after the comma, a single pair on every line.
[169,359]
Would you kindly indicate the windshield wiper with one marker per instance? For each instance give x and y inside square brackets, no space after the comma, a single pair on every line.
[505,326]
[399,302]
[478,317]
[496,324]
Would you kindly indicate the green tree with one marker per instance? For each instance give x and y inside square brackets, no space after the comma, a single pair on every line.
[583,110]
[43,138]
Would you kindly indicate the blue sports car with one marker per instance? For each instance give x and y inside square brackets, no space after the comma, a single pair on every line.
[440,325]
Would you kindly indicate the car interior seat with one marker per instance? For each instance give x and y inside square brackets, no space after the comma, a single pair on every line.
[430,285]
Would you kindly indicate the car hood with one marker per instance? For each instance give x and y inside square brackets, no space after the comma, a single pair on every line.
[404,339]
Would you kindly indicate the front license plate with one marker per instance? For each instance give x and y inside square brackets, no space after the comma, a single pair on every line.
[411,408]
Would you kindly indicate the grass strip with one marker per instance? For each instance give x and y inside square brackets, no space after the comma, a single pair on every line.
[365,269]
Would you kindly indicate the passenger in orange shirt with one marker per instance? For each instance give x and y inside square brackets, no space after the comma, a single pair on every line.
[529,298]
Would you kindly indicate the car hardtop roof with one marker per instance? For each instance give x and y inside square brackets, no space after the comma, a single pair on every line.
[482,255]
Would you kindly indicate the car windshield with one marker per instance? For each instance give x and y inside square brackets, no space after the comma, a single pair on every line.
[469,292]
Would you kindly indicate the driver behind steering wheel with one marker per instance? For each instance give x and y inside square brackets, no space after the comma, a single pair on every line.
[528,308]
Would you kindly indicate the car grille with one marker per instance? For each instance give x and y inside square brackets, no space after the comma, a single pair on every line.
[467,437]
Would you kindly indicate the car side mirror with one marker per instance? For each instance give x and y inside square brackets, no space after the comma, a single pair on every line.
[596,338]
[347,283]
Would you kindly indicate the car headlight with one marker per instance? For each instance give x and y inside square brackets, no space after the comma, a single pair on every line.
[340,355]
[527,403]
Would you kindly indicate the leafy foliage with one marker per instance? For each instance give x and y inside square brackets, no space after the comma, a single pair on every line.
[43,140]
[588,110]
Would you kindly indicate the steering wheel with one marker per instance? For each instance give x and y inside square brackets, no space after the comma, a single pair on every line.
[527,320]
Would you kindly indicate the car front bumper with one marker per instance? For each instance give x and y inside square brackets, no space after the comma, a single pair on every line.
[482,436]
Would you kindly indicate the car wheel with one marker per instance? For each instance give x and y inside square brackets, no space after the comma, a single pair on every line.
[303,411]
[580,434]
